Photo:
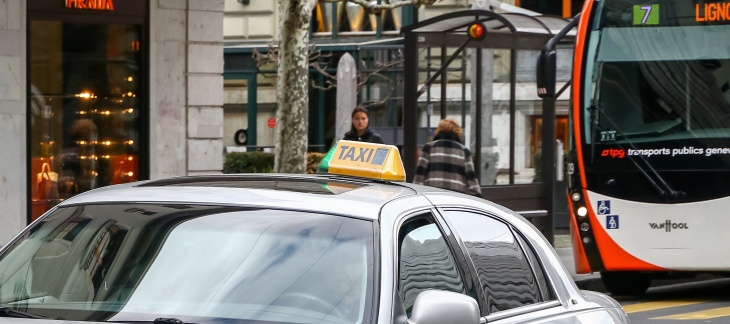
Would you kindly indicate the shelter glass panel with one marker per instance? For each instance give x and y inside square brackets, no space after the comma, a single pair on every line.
[496,134]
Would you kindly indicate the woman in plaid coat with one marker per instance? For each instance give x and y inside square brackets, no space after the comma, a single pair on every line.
[446,163]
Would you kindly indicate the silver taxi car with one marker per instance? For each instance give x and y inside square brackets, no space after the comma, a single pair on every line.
[339,247]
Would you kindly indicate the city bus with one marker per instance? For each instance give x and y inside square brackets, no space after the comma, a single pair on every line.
[648,172]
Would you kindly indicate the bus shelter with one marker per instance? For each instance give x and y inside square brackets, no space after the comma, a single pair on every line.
[505,122]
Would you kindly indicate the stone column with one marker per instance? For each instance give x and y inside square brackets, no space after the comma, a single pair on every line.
[186,93]
[205,86]
[168,84]
[13,173]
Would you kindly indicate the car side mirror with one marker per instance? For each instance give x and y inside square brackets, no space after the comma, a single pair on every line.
[438,307]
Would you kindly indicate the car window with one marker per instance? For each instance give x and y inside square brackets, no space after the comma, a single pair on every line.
[425,261]
[545,288]
[505,270]
[197,263]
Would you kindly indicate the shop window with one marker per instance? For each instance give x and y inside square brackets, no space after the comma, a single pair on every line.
[84,108]
[350,17]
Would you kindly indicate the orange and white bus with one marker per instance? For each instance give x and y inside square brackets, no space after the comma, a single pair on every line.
[649,159]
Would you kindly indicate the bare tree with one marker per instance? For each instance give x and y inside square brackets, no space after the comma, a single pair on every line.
[293,77]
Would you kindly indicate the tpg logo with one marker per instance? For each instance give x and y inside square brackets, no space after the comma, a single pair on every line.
[614,153]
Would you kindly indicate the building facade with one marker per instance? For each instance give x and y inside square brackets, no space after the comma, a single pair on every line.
[94,93]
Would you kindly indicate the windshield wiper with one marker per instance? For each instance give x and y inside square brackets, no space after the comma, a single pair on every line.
[10,312]
[667,192]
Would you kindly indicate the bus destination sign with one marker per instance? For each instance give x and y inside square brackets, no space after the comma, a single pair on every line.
[712,12]
[681,14]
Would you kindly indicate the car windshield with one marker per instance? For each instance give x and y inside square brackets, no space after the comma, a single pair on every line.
[134,262]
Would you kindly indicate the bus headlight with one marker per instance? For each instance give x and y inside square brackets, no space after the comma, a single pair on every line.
[582,211]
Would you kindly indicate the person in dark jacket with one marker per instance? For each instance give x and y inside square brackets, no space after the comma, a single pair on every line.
[359,131]
[446,163]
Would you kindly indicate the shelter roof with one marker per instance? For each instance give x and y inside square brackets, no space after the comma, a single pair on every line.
[504,30]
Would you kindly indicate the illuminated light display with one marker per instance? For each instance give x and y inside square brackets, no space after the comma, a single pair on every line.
[712,12]
[90,4]
[477,31]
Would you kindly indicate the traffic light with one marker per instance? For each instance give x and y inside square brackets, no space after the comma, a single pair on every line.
[477,31]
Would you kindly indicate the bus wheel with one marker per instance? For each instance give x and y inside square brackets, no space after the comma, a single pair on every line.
[625,282]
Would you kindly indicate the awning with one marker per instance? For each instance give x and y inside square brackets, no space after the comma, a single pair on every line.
[505,30]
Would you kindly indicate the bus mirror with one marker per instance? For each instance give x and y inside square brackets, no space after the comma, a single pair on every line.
[546,66]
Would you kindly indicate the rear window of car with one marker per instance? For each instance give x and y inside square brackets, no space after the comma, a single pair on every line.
[138,262]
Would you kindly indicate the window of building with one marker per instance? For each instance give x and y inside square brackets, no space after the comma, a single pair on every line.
[84,105]
[351,18]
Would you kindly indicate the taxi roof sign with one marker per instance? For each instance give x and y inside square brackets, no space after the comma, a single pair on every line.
[365,160]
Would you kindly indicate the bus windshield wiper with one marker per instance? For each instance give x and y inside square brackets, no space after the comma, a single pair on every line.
[668,192]
[10,312]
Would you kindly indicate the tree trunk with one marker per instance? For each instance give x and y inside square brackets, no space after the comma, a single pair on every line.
[293,86]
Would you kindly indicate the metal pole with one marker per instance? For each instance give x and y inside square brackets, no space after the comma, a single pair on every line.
[410,104]
[548,165]
[463,91]
[252,107]
[429,106]
[478,131]
[512,113]
[444,81]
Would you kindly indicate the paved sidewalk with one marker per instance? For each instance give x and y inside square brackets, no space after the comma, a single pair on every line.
[563,245]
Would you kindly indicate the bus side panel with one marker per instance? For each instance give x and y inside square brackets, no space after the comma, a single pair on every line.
[615,258]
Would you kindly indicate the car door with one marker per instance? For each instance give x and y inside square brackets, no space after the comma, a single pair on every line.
[512,285]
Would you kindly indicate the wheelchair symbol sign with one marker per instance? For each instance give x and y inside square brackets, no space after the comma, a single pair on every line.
[604,207]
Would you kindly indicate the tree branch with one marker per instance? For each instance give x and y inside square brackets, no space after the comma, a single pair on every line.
[369,104]
[315,61]
[364,79]
[270,57]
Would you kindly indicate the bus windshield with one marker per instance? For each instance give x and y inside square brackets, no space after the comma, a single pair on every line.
[658,73]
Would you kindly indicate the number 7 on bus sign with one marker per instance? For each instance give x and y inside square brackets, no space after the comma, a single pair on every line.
[646,14]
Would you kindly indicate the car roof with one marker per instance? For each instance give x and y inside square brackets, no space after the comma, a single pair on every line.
[323,193]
